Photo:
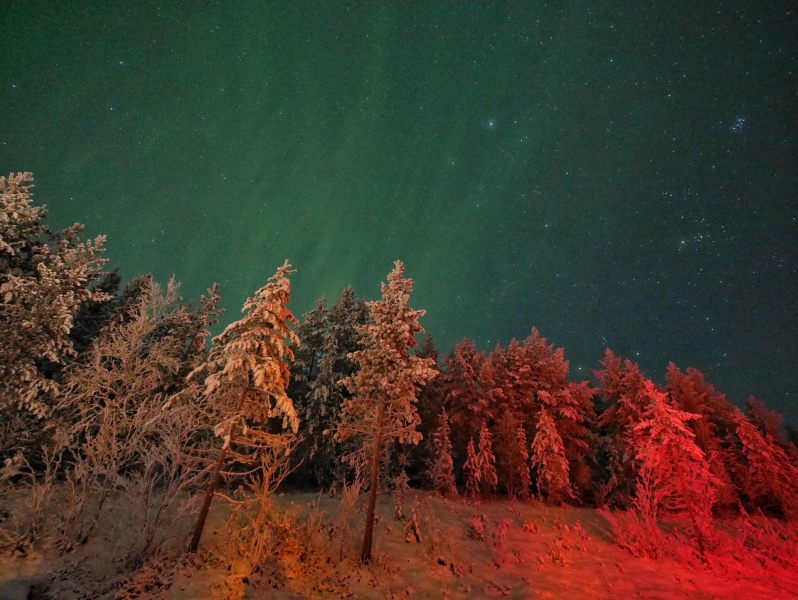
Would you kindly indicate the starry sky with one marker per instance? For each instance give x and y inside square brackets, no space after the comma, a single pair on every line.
[617,174]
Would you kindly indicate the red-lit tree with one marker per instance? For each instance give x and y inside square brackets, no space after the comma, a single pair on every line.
[548,460]
[512,456]
[767,475]
[625,392]
[442,470]
[472,471]
[464,397]
[673,473]
[768,421]
[691,393]
[486,461]
[385,387]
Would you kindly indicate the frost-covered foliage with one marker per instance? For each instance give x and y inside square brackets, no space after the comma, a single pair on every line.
[548,459]
[120,439]
[384,403]
[383,406]
[518,383]
[675,470]
[486,461]
[472,471]
[442,468]
[329,336]
[713,427]
[45,278]
[512,456]
[625,395]
[768,476]
[246,373]
[245,379]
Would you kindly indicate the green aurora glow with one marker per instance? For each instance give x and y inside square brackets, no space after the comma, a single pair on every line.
[616,174]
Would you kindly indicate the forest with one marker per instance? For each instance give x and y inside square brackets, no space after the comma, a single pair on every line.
[119,408]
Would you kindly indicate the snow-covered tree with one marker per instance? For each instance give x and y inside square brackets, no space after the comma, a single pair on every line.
[548,459]
[486,461]
[472,471]
[245,378]
[464,395]
[673,472]
[768,421]
[624,391]
[691,393]
[512,456]
[45,279]
[767,475]
[329,336]
[383,407]
[442,470]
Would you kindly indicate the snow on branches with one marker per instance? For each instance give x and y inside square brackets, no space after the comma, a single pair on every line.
[43,284]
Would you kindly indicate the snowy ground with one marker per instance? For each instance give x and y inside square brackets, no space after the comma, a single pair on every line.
[544,552]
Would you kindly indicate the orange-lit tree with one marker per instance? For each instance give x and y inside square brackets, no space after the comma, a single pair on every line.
[384,389]
[245,378]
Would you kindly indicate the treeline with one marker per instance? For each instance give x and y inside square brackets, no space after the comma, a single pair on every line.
[340,397]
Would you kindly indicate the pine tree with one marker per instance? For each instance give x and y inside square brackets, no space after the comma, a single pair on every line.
[443,480]
[472,471]
[486,461]
[45,279]
[246,376]
[385,387]
[548,459]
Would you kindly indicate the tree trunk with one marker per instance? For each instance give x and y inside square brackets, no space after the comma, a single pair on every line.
[365,555]
[217,469]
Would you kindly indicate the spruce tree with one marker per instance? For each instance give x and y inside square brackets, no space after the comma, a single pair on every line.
[512,455]
[383,407]
[624,392]
[486,461]
[767,475]
[463,391]
[548,459]
[671,467]
[472,471]
[245,378]
[691,393]
[329,336]
[443,480]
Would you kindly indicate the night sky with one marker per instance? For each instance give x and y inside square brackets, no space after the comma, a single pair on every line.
[615,174]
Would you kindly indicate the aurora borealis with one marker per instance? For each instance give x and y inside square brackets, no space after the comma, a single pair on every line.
[615,174]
